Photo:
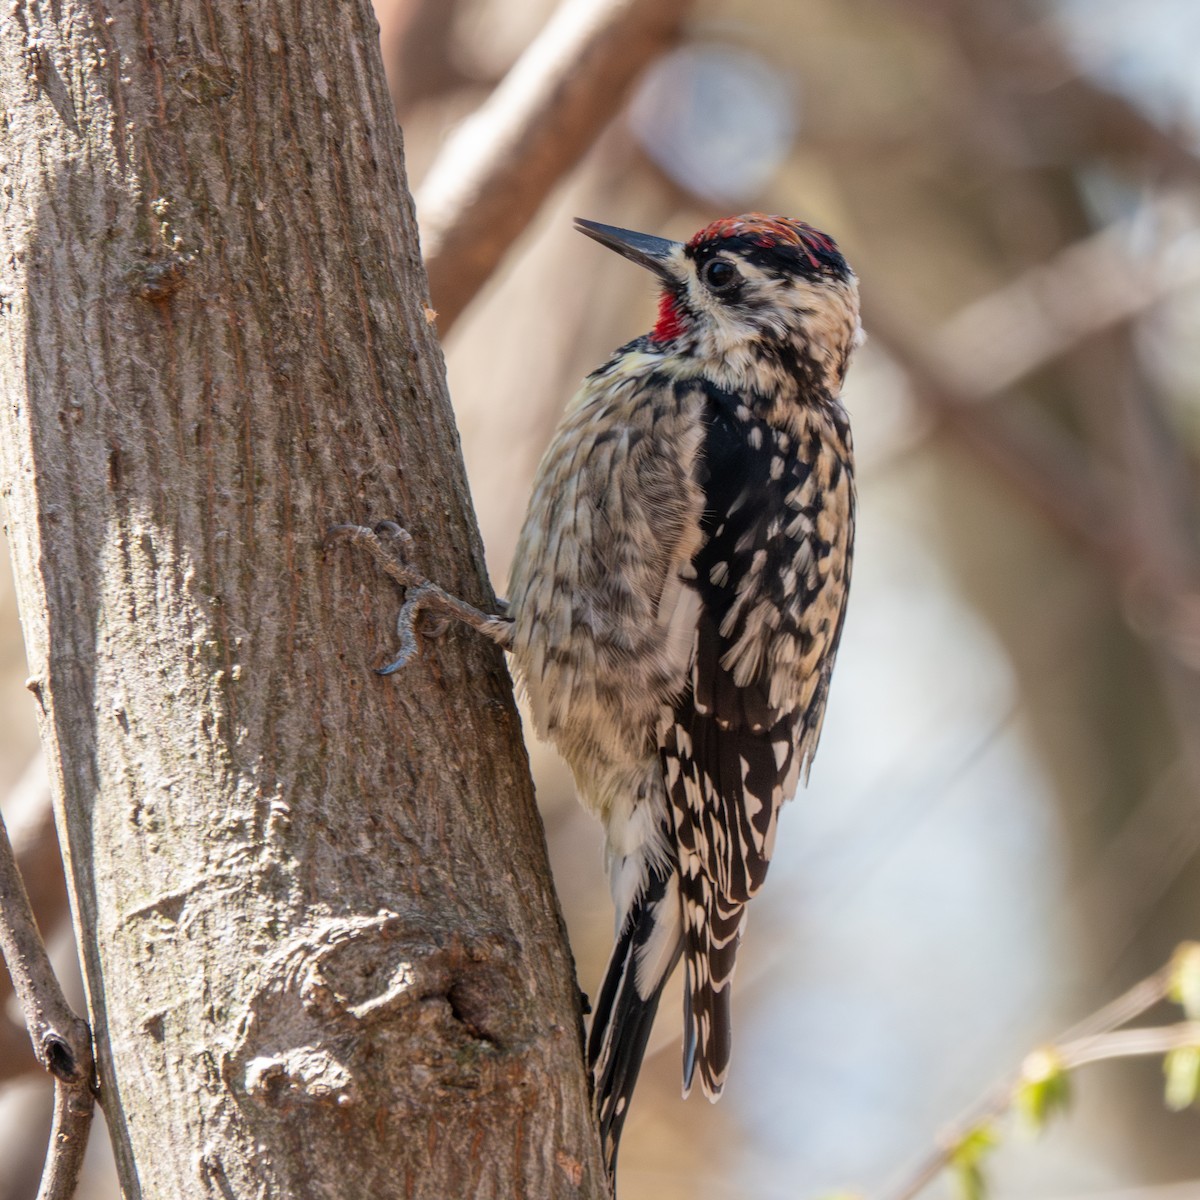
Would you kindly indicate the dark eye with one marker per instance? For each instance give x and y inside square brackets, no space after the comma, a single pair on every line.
[719,275]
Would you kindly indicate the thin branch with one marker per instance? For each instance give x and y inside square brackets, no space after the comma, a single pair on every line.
[1047,468]
[34,841]
[994,1104]
[73,1110]
[1140,998]
[61,1041]
[1093,285]
[1094,1039]
[502,162]
[1129,1043]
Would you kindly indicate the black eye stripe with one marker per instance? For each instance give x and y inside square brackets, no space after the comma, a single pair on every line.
[811,261]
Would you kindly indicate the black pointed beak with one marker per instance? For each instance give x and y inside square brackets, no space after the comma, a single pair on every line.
[654,253]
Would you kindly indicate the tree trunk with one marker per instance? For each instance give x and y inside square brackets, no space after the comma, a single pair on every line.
[322,950]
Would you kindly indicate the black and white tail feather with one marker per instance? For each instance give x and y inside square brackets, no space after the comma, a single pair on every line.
[647,949]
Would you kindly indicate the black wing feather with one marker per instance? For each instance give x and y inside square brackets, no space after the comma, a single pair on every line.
[730,757]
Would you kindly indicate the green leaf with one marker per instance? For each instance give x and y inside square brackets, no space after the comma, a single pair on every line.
[1043,1090]
[1184,988]
[966,1161]
[1182,1069]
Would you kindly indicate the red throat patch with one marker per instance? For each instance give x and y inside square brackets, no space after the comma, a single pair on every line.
[670,323]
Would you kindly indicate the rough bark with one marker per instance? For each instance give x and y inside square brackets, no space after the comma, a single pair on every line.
[322,951]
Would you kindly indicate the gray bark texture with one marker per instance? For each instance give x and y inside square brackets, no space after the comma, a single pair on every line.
[322,950]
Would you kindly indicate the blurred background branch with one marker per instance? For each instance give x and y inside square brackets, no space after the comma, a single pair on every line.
[1041,1089]
[30,820]
[62,1042]
[497,168]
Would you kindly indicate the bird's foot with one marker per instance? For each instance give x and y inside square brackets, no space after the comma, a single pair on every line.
[389,545]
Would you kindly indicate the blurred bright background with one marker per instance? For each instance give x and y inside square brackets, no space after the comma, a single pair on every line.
[1002,827]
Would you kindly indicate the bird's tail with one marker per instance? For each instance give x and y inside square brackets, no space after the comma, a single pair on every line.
[645,954]
[712,933]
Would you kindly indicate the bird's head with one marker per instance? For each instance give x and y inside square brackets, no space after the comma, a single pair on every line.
[756,301]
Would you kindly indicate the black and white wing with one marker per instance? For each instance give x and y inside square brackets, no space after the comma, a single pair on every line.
[733,746]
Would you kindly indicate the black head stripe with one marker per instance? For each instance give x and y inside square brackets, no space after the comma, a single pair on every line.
[812,260]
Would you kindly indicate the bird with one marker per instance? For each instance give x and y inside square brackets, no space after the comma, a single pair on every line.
[675,606]
[677,597]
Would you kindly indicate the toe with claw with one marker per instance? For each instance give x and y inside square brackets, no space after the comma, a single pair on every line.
[389,545]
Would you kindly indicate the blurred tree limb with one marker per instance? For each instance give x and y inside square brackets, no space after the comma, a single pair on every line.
[30,820]
[1084,290]
[498,167]
[416,37]
[322,950]
[1029,451]
[1040,1089]
[61,1041]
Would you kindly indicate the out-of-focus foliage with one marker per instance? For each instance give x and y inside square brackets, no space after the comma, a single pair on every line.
[1185,979]
[1043,1089]
[968,1158]
[1182,1069]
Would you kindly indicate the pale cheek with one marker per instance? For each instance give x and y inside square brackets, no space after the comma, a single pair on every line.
[730,330]
[725,329]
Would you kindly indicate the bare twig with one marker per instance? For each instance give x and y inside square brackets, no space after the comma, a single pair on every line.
[73,1109]
[1140,998]
[35,845]
[1091,286]
[1094,1039]
[502,162]
[1044,464]
[939,1158]
[61,1041]
[1129,1043]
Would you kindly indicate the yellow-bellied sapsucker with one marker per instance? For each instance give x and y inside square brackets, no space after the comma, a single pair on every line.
[676,602]
[677,597]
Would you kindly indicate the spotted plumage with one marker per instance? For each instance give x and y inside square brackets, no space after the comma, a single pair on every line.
[677,598]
